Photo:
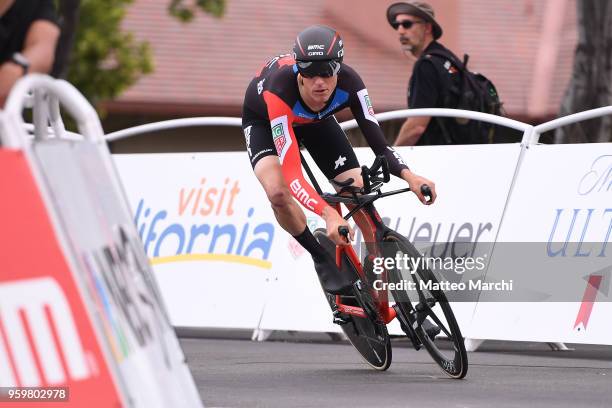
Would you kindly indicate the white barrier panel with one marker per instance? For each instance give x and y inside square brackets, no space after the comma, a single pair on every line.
[210,233]
[563,194]
[198,214]
[469,206]
[85,200]
[217,251]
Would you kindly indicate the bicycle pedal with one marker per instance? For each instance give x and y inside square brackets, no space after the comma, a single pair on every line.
[340,321]
[366,302]
[407,329]
[429,303]
[431,329]
[340,318]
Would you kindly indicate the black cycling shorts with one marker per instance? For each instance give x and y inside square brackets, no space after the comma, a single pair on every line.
[325,141]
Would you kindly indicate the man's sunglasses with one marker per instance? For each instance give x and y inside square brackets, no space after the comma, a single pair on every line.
[406,24]
[323,69]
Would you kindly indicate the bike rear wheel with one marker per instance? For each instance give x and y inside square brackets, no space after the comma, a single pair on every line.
[422,302]
[369,338]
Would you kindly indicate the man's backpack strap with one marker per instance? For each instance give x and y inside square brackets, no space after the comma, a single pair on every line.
[446,54]
[452,90]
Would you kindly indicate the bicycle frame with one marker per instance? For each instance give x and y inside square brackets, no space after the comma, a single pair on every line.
[365,202]
[387,312]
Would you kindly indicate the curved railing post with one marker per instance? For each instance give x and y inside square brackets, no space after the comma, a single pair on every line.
[48,94]
[173,124]
[449,113]
[568,120]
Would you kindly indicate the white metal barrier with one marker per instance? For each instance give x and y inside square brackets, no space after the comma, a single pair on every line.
[350,124]
[530,136]
[530,133]
[47,95]
[568,120]
[452,113]
[173,124]
[83,200]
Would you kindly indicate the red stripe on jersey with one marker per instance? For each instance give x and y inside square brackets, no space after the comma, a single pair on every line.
[291,164]
[286,60]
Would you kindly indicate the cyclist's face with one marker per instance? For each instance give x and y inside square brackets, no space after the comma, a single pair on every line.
[319,89]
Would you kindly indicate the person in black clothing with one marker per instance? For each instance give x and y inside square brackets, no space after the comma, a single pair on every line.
[28,36]
[432,75]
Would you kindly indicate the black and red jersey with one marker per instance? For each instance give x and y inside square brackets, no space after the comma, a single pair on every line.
[273,95]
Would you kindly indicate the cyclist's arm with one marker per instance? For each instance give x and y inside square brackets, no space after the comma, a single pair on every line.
[281,121]
[363,111]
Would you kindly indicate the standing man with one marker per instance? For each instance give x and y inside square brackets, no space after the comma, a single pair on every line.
[28,36]
[432,78]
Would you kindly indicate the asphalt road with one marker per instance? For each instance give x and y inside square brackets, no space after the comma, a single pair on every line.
[281,373]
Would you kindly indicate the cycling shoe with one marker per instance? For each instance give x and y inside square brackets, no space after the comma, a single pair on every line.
[332,280]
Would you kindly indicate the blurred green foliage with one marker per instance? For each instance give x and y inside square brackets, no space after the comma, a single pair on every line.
[105,59]
[185,10]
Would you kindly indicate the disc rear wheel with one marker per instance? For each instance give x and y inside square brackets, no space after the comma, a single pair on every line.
[369,338]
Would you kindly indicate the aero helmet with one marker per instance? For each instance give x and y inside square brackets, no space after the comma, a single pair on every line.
[318,51]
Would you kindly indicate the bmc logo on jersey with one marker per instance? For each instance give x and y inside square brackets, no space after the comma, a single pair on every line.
[280,135]
[302,195]
[48,318]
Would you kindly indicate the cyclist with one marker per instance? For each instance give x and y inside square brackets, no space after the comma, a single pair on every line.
[293,99]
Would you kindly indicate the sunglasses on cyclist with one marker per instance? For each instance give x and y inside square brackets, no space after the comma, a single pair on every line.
[325,69]
[406,24]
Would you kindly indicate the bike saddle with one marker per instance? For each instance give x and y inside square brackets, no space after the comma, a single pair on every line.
[344,183]
[346,186]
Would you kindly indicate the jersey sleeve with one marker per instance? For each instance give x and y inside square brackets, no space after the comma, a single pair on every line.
[46,11]
[363,111]
[281,123]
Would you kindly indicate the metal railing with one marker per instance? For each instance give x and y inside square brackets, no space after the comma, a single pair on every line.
[173,124]
[44,95]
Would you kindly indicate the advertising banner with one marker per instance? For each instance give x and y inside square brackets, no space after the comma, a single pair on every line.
[116,273]
[47,338]
[216,247]
[554,246]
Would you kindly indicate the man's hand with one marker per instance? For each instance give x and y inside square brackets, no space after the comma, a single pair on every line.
[415,182]
[333,220]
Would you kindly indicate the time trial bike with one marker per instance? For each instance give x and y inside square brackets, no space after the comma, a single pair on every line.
[409,295]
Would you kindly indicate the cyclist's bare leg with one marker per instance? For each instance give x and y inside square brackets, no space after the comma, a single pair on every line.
[360,217]
[288,213]
[293,220]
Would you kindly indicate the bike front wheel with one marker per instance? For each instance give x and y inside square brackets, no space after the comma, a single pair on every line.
[422,302]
